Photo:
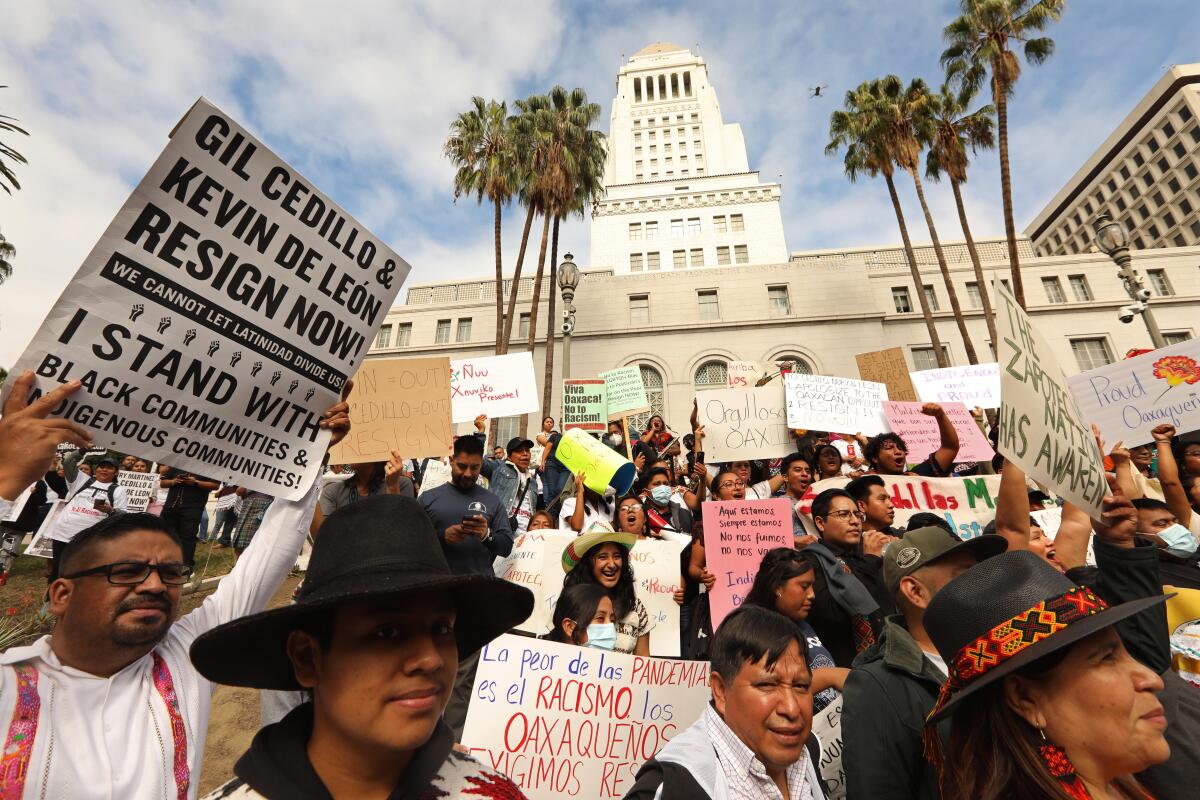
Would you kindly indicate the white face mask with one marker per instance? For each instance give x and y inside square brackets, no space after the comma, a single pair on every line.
[1178,537]
[616,438]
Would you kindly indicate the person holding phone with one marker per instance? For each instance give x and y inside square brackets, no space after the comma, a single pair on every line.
[90,499]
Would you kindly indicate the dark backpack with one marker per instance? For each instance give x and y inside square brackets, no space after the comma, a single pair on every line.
[112,488]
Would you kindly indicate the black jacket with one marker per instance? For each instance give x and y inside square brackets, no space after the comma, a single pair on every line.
[890,691]
[832,622]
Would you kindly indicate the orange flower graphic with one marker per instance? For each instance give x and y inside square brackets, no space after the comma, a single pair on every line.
[1176,371]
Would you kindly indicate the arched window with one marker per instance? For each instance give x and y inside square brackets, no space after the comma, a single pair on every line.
[711,375]
[652,379]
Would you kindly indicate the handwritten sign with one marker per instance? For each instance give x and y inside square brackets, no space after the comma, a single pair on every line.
[744,423]
[566,721]
[584,405]
[434,475]
[742,374]
[601,465]
[1042,428]
[967,504]
[656,566]
[398,404]
[972,385]
[140,489]
[921,436]
[737,533]
[499,386]
[889,368]
[1129,398]
[827,727]
[842,405]
[626,394]
[535,563]
[231,301]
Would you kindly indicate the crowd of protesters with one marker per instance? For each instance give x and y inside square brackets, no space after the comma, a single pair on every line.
[1008,665]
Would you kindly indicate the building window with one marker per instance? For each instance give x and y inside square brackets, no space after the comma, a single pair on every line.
[384,337]
[1169,220]
[653,381]
[722,255]
[676,228]
[639,309]
[635,262]
[741,254]
[1137,158]
[711,375]
[697,257]
[635,230]
[463,334]
[693,226]
[1157,198]
[651,230]
[523,327]
[719,224]
[1091,353]
[781,305]
[1175,337]
[403,334]
[900,298]
[1151,144]
[1173,185]
[973,296]
[931,297]
[652,261]
[924,357]
[442,335]
[736,223]
[679,258]
[1190,169]
[1054,292]
[1079,286]
[1158,279]
[709,310]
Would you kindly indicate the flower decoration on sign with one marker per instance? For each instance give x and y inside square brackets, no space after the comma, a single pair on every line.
[1176,371]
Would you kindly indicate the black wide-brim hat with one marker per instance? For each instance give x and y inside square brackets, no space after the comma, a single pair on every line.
[1007,612]
[380,549]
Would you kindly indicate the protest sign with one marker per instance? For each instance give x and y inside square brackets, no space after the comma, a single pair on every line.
[584,405]
[967,504]
[1130,398]
[600,464]
[625,392]
[744,423]
[742,374]
[972,385]
[842,405]
[219,315]
[655,564]
[18,505]
[736,535]
[39,545]
[1042,429]
[827,727]
[398,404]
[921,436]
[498,386]
[434,475]
[536,563]
[561,720]
[889,368]
[140,489]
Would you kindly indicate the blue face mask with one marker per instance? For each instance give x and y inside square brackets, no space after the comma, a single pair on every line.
[661,494]
[602,637]
[1179,538]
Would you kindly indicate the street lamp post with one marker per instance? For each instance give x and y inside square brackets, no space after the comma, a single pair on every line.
[1111,238]
[568,280]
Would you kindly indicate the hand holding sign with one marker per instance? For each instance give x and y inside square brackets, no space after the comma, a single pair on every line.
[28,440]
[595,464]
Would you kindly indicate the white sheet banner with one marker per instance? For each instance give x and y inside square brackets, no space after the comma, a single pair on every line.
[972,385]
[842,405]
[499,386]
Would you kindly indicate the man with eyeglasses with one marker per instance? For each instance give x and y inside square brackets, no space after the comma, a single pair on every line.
[108,704]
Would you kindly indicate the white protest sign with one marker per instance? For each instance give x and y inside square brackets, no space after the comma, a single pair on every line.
[656,567]
[140,489]
[972,385]
[566,721]
[1130,398]
[842,405]
[742,374]
[625,392]
[827,727]
[39,545]
[435,474]
[528,566]
[219,315]
[499,386]
[18,505]
[744,423]
[1042,429]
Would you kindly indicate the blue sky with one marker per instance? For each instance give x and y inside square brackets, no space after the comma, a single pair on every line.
[358,95]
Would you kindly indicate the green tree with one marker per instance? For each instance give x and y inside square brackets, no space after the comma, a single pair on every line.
[480,146]
[862,132]
[7,254]
[955,130]
[525,138]
[7,176]
[980,45]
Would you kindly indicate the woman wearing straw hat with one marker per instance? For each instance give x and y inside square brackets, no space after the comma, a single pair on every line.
[1046,702]
[601,556]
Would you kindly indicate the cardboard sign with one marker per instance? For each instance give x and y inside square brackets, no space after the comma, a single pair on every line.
[967,504]
[827,727]
[601,465]
[535,563]
[498,386]
[398,404]
[584,405]
[742,374]
[565,721]
[1130,398]
[921,436]
[889,368]
[219,315]
[656,569]
[1042,429]
[741,424]
[737,533]
[626,394]
[972,385]
[140,489]
[841,405]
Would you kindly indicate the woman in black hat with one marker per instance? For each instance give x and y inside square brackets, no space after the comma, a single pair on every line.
[375,637]
[1046,702]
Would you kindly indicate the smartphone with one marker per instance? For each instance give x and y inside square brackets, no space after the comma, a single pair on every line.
[98,504]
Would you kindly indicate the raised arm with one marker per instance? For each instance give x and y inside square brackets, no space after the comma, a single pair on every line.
[1012,507]
[1071,541]
[1168,475]
[948,450]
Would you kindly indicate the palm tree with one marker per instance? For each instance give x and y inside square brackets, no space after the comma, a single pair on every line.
[979,46]
[861,132]
[7,253]
[954,130]
[908,125]
[6,174]
[480,145]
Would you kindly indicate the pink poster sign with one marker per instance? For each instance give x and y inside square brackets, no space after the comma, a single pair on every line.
[736,535]
[920,432]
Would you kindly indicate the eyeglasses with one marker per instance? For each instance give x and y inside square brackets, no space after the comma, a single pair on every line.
[133,573]
[731,484]
[846,514]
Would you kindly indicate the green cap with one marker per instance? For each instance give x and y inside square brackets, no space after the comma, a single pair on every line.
[925,545]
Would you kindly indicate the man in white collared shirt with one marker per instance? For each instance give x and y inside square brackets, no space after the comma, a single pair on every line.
[751,742]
